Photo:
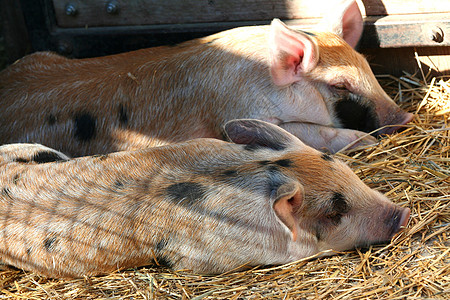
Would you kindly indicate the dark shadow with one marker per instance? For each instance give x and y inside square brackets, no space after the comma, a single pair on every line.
[49,26]
[375,10]
[14,41]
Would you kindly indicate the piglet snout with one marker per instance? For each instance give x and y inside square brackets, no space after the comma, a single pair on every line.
[404,218]
[400,120]
[398,220]
[382,228]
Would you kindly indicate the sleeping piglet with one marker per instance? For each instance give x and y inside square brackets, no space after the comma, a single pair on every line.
[313,84]
[205,204]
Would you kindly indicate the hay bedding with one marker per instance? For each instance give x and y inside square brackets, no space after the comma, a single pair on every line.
[411,167]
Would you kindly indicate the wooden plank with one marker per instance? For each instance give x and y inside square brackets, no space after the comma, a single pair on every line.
[145,12]
[84,13]
[407,30]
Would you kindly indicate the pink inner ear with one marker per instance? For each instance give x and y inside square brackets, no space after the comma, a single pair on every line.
[293,54]
[287,207]
[295,201]
[294,62]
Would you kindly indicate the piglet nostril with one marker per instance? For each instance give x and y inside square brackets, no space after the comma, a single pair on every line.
[397,219]
[397,125]
[404,218]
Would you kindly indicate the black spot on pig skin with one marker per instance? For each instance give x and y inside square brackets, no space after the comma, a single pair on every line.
[46,157]
[51,120]
[338,207]
[164,261]
[84,127]
[354,115]
[6,192]
[273,169]
[185,193]
[21,160]
[339,203]
[230,173]
[161,245]
[276,179]
[16,178]
[123,115]
[29,251]
[50,243]
[327,157]
[286,163]
[118,184]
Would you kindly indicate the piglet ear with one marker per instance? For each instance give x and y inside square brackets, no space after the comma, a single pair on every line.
[293,53]
[259,134]
[345,20]
[288,200]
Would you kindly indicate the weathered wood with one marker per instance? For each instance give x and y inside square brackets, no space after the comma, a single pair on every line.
[79,13]
[145,12]
[407,30]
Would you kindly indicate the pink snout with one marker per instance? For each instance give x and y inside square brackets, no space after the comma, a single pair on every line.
[397,221]
[404,218]
[406,118]
[389,221]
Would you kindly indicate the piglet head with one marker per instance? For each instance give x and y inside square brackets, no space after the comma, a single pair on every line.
[323,63]
[318,200]
[341,211]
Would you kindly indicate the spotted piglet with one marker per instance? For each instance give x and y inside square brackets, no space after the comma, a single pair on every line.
[313,84]
[205,204]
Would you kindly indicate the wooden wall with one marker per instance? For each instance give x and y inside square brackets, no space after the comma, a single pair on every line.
[395,29]
[148,12]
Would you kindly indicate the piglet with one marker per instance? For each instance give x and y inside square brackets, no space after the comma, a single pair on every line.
[205,204]
[313,84]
